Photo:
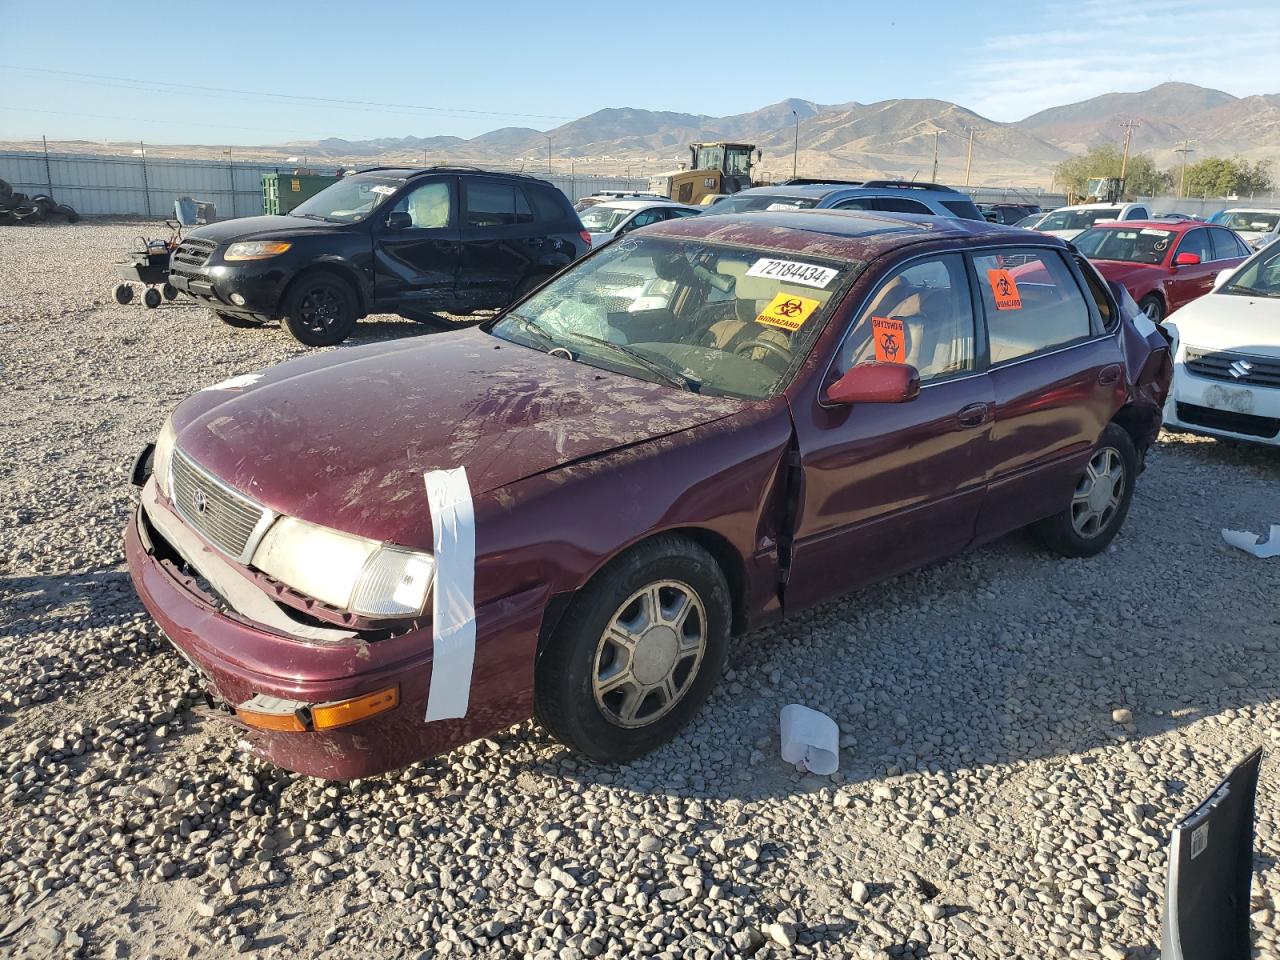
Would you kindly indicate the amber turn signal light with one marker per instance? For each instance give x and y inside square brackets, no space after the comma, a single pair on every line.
[287,722]
[327,716]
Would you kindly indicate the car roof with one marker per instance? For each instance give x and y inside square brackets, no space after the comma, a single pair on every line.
[1096,206]
[820,190]
[1169,226]
[838,234]
[1251,210]
[638,204]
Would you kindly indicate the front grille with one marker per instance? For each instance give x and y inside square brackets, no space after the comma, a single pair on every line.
[227,519]
[1243,423]
[1245,369]
[190,255]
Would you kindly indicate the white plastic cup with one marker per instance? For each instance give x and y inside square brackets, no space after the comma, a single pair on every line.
[810,738]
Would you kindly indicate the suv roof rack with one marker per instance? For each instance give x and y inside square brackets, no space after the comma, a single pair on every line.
[446,168]
[910,185]
[808,181]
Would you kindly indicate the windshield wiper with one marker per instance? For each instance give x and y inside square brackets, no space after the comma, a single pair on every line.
[671,374]
[537,330]
[309,216]
[1249,291]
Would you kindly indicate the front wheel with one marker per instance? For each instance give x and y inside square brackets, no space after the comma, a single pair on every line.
[1153,307]
[320,311]
[1100,501]
[637,652]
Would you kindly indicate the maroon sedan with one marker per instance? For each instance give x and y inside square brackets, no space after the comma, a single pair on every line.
[376,554]
[1163,265]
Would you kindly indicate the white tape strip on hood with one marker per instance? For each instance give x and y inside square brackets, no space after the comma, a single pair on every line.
[453,607]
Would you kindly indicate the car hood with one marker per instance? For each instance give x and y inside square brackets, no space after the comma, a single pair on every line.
[343,438]
[256,228]
[1222,321]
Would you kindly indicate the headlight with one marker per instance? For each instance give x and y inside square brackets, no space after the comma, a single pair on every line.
[256,249]
[163,457]
[346,571]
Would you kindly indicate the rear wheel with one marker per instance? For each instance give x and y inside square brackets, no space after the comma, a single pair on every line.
[1153,307]
[170,291]
[1100,501]
[637,652]
[320,311]
[122,293]
[151,298]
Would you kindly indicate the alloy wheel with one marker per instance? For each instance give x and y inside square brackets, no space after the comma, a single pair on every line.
[320,309]
[1099,493]
[648,655]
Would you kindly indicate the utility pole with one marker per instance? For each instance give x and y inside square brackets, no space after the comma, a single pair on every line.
[968,163]
[1183,148]
[1129,126]
[936,135]
[795,152]
[146,186]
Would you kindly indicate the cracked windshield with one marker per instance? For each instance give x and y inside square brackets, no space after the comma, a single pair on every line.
[702,317]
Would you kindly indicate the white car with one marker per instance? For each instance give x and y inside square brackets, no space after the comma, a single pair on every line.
[613,218]
[1068,222]
[1226,350]
[1256,227]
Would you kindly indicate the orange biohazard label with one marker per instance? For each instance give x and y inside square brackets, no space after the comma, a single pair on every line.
[787,311]
[891,339]
[1004,289]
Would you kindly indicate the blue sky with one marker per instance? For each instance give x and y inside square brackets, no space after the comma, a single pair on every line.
[465,68]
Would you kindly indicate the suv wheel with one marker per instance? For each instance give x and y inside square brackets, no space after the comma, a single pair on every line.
[1100,501]
[637,652]
[320,311]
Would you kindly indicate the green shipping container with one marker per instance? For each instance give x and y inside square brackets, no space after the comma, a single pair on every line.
[281,192]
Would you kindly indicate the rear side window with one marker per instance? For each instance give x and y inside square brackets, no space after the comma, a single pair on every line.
[901,205]
[965,210]
[1032,303]
[1138,213]
[547,205]
[490,204]
[1227,245]
[855,204]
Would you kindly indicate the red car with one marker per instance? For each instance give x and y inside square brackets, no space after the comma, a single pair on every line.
[1163,265]
[376,554]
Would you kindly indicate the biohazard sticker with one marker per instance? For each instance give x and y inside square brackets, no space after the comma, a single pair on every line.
[787,311]
[1005,290]
[890,337]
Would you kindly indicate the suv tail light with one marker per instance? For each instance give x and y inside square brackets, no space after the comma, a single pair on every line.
[586,237]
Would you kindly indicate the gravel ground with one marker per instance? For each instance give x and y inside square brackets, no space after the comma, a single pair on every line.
[1018,731]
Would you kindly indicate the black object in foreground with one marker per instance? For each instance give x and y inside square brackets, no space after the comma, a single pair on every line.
[1206,912]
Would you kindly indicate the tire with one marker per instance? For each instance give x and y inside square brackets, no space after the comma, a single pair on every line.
[68,212]
[123,293]
[320,310]
[1153,307]
[567,701]
[151,298]
[170,291]
[28,213]
[5,189]
[1087,526]
[235,320]
[528,285]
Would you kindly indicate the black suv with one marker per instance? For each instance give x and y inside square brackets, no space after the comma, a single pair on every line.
[385,240]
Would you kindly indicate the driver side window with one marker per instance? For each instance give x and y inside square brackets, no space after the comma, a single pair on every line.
[429,206]
[921,315]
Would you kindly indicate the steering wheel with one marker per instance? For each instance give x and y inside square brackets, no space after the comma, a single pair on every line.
[767,346]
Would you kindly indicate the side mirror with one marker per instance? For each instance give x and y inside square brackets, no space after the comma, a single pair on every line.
[876,382]
[399,220]
[1222,277]
[1186,260]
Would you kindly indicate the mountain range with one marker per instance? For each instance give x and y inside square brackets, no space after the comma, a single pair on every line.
[890,138]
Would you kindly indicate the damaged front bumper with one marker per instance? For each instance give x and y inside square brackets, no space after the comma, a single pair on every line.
[310,684]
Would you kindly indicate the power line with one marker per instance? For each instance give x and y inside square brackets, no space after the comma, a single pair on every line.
[135,83]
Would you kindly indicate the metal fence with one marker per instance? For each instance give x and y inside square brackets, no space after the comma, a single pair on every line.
[101,184]
[1207,207]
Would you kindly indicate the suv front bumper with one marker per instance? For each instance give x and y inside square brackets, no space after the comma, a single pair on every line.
[248,290]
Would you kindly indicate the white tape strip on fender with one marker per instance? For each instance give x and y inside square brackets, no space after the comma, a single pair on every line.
[453,609]
[237,383]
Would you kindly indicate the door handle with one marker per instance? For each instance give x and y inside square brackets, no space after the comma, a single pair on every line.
[1109,374]
[974,415]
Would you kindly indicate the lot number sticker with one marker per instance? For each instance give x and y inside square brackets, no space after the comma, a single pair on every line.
[793,271]
[890,337]
[787,311]
[1005,290]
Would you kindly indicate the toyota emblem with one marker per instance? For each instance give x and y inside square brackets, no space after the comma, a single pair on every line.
[200,501]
